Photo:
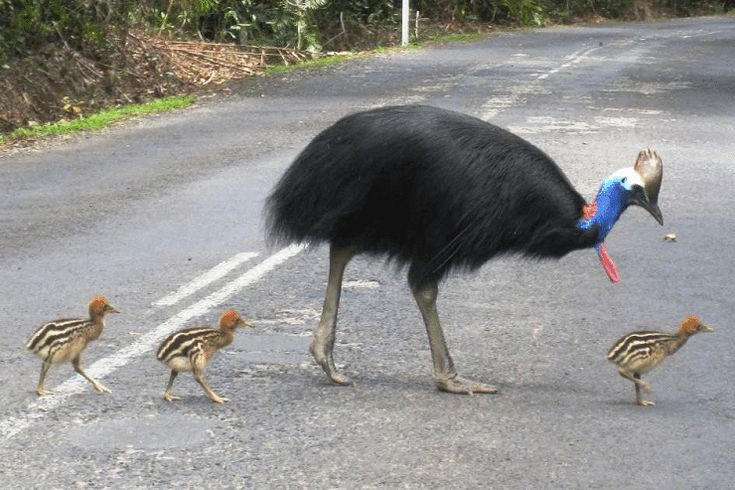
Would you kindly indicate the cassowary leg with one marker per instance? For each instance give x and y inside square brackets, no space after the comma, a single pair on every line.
[322,343]
[445,376]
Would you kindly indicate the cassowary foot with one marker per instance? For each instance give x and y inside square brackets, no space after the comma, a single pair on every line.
[463,386]
[324,359]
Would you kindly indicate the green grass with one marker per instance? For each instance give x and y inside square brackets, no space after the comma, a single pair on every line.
[459,37]
[99,120]
[417,44]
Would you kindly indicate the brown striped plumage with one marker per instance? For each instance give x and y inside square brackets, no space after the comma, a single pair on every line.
[192,348]
[639,352]
[64,340]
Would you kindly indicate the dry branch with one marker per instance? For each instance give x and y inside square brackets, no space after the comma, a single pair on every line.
[202,63]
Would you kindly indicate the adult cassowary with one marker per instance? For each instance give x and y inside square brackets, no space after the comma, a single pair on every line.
[438,190]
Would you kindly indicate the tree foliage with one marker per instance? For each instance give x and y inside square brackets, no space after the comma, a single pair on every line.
[27,25]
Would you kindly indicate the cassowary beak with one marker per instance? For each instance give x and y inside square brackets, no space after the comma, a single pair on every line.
[651,169]
[640,198]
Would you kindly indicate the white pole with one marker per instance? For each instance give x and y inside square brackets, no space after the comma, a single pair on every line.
[404,23]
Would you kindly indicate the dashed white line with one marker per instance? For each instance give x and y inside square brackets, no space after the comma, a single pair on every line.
[213,274]
[36,410]
[517,93]
[573,58]
[360,284]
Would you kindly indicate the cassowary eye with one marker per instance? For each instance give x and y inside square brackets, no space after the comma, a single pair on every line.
[625,179]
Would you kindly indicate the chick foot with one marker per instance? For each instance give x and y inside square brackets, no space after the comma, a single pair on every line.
[218,399]
[101,388]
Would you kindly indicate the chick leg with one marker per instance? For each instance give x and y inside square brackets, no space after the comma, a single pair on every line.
[77,363]
[322,344]
[635,378]
[40,391]
[638,399]
[199,377]
[445,376]
[167,395]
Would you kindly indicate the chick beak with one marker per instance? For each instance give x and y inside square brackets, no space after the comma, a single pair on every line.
[706,328]
[111,309]
[245,324]
[640,198]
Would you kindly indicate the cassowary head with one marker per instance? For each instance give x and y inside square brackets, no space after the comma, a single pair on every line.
[638,185]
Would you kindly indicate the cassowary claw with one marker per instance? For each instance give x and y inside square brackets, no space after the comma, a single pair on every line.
[463,386]
[325,360]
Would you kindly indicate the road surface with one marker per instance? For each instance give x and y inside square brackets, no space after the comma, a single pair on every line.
[163,215]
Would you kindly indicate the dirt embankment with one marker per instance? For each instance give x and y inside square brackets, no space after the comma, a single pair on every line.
[57,82]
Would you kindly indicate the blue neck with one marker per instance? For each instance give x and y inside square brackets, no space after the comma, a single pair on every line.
[611,201]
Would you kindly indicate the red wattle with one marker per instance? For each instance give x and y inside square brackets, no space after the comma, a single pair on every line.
[589,210]
[608,264]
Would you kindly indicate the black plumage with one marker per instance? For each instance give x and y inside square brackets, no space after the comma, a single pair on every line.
[431,188]
[437,190]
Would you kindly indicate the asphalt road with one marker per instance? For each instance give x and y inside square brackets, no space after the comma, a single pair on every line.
[141,211]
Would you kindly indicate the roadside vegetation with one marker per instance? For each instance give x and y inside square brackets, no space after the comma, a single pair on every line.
[67,60]
[100,119]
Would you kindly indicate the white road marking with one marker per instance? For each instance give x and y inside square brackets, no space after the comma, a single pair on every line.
[517,92]
[700,34]
[360,284]
[573,58]
[36,410]
[616,122]
[546,124]
[649,88]
[289,317]
[402,100]
[215,273]
[635,110]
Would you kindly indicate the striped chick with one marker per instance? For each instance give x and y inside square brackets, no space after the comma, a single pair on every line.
[64,340]
[639,352]
[192,348]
